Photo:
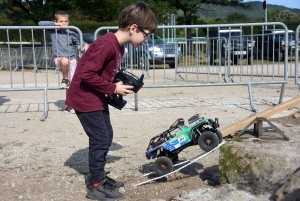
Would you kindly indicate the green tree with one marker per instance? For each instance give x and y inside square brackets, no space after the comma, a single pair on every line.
[237,17]
[100,11]
[276,15]
[190,8]
[93,10]
[162,10]
[35,10]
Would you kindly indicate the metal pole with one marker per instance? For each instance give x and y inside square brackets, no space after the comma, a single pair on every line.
[266,17]
[266,13]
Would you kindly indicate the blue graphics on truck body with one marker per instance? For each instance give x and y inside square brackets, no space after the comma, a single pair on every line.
[171,145]
[175,143]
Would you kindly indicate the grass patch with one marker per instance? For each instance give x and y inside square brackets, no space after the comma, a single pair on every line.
[235,139]
[230,162]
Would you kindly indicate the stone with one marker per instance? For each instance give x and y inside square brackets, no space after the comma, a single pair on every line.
[296,115]
[290,190]
[243,164]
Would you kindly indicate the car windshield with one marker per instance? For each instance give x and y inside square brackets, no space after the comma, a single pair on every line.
[89,38]
[156,38]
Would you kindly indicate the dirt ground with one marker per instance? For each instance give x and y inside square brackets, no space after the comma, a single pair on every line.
[289,120]
[47,160]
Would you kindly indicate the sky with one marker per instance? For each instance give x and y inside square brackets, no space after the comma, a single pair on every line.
[286,3]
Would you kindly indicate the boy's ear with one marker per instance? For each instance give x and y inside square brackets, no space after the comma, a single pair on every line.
[133,27]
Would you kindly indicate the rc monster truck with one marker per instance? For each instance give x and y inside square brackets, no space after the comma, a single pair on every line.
[166,146]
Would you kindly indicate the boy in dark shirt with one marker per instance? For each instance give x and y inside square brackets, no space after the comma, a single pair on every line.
[93,80]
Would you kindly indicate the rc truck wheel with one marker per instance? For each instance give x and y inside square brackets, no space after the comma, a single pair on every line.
[208,141]
[163,165]
[220,136]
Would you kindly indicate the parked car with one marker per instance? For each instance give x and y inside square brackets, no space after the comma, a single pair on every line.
[271,43]
[89,37]
[156,51]
[229,44]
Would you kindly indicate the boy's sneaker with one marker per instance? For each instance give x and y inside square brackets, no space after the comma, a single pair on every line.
[64,84]
[72,111]
[104,192]
[69,110]
[112,182]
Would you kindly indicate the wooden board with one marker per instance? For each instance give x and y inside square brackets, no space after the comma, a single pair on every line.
[231,130]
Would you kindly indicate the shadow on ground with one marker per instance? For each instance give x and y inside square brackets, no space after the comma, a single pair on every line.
[190,171]
[3,99]
[211,175]
[79,160]
[60,104]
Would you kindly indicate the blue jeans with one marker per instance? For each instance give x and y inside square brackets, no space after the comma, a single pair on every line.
[99,130]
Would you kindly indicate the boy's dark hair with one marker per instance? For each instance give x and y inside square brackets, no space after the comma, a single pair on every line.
[140,14]
[61,13]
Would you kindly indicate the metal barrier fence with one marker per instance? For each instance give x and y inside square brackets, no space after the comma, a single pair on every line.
[8,57]
[217,60]
[18,57]
[226,57]
[297,72]
[36,58]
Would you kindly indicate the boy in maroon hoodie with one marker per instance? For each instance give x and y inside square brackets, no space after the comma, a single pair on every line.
[93,80]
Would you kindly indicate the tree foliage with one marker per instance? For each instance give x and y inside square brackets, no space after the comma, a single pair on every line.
[162,10]
[190,7]
[104,10]
[23,10]
[237,17]
[276,15]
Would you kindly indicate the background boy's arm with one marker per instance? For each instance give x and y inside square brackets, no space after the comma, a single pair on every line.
[76,40]
[46,23]
[49,23]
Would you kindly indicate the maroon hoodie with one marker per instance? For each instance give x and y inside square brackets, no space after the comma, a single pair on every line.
[94,74]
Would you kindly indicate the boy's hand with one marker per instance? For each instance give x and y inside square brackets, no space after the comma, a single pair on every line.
[85,47]
[58,24]
[123,89]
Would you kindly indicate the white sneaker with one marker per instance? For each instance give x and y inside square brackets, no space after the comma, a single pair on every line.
[69,110]
[64,84]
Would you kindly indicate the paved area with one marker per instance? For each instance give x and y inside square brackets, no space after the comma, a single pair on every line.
[8,107]
[148,98]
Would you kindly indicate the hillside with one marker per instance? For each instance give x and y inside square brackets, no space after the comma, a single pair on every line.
[212,11]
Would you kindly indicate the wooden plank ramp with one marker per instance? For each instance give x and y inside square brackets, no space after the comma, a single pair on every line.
[232,129]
